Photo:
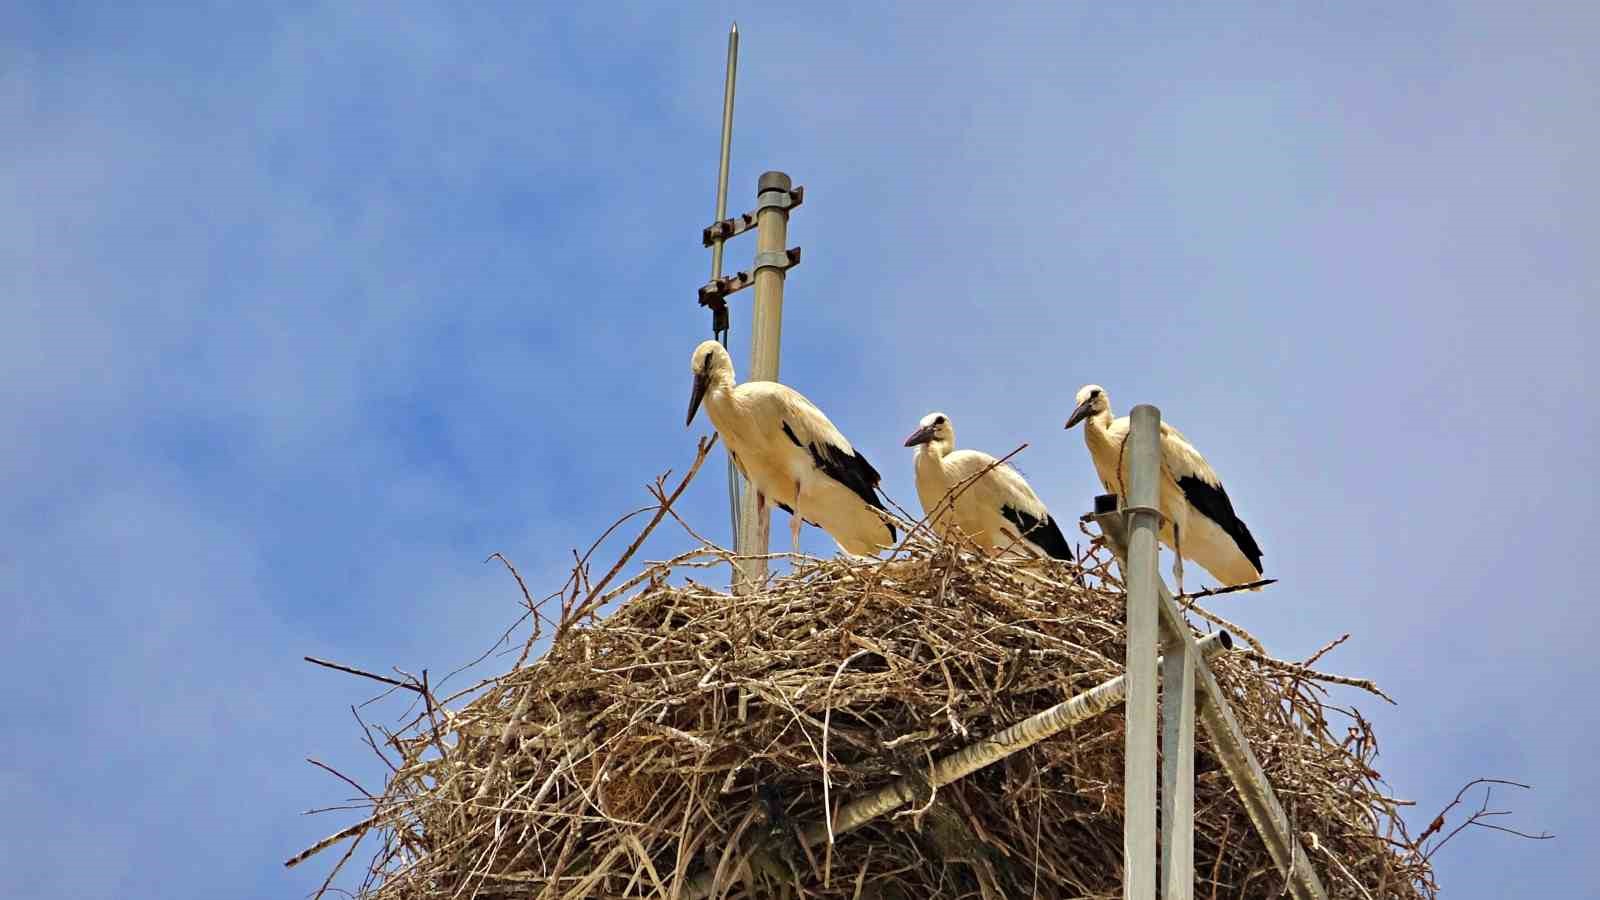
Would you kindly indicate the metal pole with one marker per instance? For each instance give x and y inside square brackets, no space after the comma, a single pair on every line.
[1139,773]
[1177,770]
[766,327]
[722,213]
[727,143]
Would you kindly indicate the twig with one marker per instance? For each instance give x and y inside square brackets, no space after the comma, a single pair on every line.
[827,721]
[1325,648]
[1307,672]
[1476,818]
[1189,598]
[362,672]
[330,840]
[341,776]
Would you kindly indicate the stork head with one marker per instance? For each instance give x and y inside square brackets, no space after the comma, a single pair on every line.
[709,361]
[934,428]
[1092,401]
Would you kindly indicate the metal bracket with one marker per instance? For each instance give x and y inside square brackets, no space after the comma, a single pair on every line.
[1107,504]
[727,228]
[771,199]
[777,259]
[713,292]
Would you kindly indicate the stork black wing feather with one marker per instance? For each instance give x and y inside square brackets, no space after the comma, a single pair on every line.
[1212,502]
[849,469]
[1047,534]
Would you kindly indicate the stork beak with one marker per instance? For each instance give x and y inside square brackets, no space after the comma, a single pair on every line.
[1081,413]
[696,394]
[920,436]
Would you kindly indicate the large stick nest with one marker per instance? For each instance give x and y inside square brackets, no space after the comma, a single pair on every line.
[693,731]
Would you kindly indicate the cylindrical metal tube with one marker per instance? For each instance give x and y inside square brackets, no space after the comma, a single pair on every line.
[729,79]
[766,329]
[1177,771]
[727,144]
[772,234]
[1144,632]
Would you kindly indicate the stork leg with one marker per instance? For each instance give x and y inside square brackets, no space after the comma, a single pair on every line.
[796,520]
[794,529]
[1177,556]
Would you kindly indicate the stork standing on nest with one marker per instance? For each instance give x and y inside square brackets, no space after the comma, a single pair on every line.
[1198,520]
[791,453]
[993,505]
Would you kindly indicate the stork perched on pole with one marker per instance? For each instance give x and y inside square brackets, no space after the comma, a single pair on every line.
[1198,520]
[993,505]
[791,453]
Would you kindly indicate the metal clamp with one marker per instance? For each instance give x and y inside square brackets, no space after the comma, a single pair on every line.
[777,259]
[779,198]
[1130,510]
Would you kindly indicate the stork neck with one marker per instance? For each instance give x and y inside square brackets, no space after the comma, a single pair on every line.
[719,394]
[1097,428]
[928,461]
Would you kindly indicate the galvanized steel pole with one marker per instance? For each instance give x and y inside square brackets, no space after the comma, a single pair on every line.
[1139,773]
[727,143]
[722,213]
[766,329]
[1177,769]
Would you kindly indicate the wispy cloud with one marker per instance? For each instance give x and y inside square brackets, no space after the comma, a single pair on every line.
[308,310]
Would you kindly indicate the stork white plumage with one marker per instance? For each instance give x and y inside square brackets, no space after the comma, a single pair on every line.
[1198,518]
[793,455]
[995,508]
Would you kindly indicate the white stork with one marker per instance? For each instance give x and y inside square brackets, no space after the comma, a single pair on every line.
[793,455]
[1198,519]
[994,505]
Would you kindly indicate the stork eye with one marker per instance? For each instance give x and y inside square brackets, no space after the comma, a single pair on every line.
[1093,394]
[939,421]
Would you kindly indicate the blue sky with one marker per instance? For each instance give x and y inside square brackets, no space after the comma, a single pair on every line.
[308,310]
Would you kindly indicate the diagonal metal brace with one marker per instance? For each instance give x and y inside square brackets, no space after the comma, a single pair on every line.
[728,228]
[713,293]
